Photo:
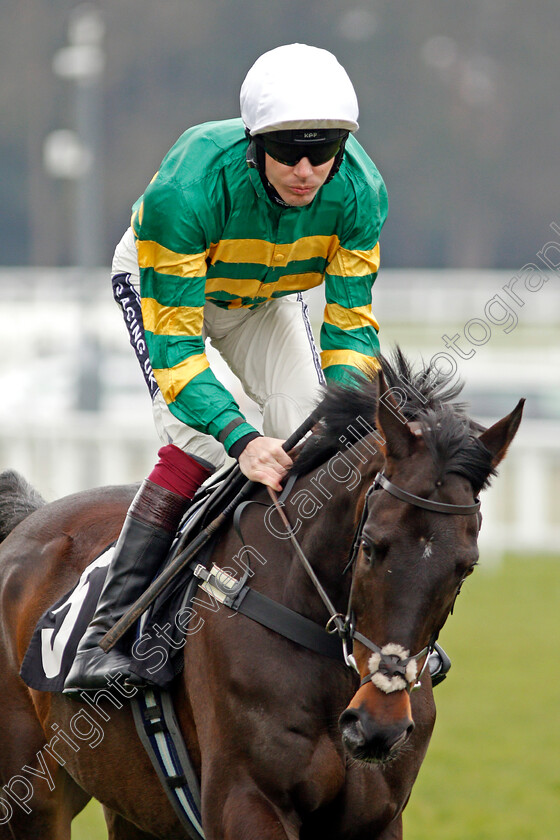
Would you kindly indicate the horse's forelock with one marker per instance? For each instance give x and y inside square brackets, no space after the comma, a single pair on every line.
[451,440]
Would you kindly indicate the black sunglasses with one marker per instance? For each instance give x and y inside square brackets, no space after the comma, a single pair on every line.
[290,154]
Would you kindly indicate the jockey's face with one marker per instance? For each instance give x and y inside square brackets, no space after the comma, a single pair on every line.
[297,185]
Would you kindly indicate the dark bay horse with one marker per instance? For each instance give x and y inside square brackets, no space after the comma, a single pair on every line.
[287,743]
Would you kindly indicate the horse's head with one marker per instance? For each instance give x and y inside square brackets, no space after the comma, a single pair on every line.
[417,546]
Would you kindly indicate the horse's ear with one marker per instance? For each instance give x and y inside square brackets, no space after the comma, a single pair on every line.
[499,436]
[398,440]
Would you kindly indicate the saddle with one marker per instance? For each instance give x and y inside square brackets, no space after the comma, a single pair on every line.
[55,639]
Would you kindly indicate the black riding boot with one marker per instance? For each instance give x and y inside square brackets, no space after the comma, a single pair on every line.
[145,539]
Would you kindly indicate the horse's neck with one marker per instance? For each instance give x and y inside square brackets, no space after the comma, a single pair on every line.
[324,509]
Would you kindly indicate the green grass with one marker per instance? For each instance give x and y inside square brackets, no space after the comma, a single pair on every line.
[90,824]
[493,767]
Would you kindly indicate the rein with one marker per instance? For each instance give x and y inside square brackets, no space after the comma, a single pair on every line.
[391,668]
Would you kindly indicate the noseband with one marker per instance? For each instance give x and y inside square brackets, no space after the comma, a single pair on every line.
[391,668]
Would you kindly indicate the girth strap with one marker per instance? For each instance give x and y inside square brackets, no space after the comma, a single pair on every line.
[161,737]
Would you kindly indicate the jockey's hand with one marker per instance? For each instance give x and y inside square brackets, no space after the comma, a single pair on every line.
[264,460]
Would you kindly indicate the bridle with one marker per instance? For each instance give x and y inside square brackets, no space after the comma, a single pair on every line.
[391,667]
[381,481]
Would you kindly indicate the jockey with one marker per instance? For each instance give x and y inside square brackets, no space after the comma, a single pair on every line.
[242,217]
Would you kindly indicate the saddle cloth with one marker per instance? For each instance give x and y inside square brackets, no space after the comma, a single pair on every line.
[157,640]
[159,637]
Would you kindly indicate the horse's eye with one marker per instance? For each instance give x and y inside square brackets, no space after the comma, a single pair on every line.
[366,550]
[373,551]
[466,574]
[470,569]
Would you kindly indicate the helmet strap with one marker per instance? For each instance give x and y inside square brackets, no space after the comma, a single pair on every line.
[337,161]
[256,160]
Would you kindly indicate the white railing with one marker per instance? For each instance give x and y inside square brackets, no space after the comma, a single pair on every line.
[78,451]
[520,510]
[44,315]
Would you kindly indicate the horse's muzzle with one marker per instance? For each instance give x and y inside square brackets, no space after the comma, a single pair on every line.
[373,736]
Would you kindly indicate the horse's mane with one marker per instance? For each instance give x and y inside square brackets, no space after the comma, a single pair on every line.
[450,435]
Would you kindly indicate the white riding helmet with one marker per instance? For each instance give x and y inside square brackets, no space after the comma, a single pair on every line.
[296,87]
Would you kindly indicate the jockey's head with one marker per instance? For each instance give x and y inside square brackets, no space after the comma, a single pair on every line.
[297,102]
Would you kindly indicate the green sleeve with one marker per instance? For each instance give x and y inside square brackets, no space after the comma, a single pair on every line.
[173,232]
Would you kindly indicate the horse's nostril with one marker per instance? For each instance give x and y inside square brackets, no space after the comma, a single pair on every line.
[351,727]
[348,716]
[366,738]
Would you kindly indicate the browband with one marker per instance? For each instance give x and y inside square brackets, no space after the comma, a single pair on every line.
[418,501]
